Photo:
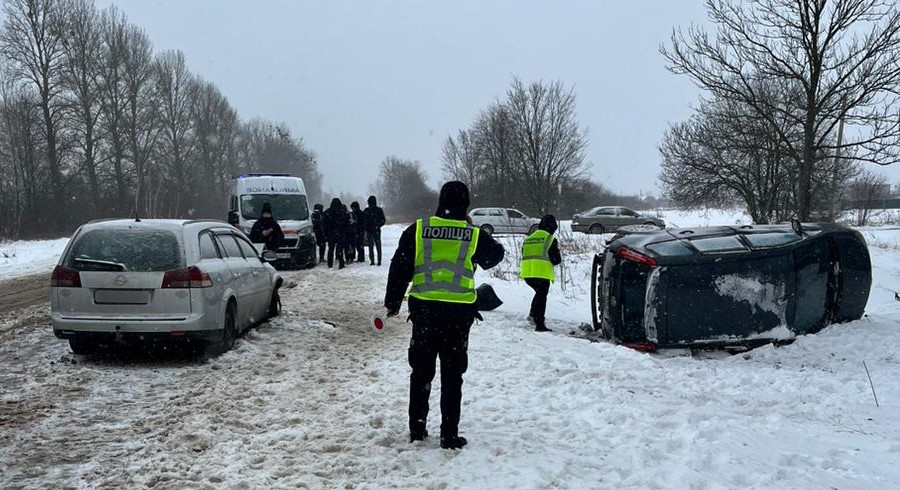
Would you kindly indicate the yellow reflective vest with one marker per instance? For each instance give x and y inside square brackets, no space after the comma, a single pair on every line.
[443,268]
[536,256]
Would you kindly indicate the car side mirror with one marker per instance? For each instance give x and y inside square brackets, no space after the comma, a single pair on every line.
[269,256]
[233,218]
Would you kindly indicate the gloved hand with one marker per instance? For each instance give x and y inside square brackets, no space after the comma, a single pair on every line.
[392,313]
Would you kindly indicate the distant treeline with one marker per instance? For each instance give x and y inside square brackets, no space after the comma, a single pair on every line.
[94,123]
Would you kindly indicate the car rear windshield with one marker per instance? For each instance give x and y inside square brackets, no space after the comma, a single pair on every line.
[118,249]
[766,240]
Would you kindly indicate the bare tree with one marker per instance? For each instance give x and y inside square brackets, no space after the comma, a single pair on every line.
[216,128]
[868,191]
[175,90]
[31,43]
[403,189]
[843,57]
[141,122]
[22,157]
[82,44]
[549,143]
[113,98]
[460,161]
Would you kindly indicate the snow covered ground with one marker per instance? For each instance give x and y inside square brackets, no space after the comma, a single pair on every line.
[21,258]
[315,399]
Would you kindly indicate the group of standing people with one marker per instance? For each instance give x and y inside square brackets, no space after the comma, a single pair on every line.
[343,234]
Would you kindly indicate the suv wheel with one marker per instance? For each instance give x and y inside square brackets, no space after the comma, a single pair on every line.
[229,331]
[82,346]
[487,229]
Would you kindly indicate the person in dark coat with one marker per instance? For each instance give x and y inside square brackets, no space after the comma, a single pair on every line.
[335,222]
[440,328]
[266,230]
[349,237]
[358,218]
[374,220]
[541,286]
[319,230]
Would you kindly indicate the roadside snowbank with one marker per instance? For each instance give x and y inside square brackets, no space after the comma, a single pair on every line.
[24,257]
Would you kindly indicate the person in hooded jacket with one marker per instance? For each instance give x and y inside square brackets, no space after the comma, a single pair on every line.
[359,231]
[441,304]
[349,237]
[319,230]
[374,220]
[335,221]
[540,254]
[266,230]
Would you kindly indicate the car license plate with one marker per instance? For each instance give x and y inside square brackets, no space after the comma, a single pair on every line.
[122,296]
[283,255]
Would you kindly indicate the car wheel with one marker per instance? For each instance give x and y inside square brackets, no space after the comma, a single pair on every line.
[229,330]
[275,304]
[487,229]
[532,229]
[596,229]
[82,346]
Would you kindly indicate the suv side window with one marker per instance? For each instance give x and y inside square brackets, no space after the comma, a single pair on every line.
[248,250]
[515,214]
[230,246]
[208,248]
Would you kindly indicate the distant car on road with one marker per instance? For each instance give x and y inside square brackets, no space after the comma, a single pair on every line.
[129,280]
[725,286]
[503,220]
[608,219]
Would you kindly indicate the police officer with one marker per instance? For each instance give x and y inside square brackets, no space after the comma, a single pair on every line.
[438,254]
[540,253]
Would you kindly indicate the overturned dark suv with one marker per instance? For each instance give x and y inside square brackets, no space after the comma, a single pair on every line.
[728,286]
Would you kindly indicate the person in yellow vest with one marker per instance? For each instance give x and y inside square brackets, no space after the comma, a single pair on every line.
[438,255]
[540,254]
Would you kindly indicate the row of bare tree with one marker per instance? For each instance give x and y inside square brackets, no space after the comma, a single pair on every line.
[93,123]
[798,96]
[525,151]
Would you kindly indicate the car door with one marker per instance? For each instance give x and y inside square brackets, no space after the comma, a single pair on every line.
[517,221]
[258,279]
[628,217]
[241,276]
[212,262]
[607,218]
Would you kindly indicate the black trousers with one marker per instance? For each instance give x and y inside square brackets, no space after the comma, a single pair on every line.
[335,247]
[374,241]
[360,246]
[321,244]
[450,342]
[539,303]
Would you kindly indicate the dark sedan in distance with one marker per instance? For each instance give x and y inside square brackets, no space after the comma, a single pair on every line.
[608,219]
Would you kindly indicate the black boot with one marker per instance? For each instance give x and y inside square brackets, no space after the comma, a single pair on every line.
[418,436]
[453,442]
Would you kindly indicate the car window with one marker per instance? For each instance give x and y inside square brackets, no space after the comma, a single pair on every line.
[605,212]
[229,246]
[125,249]
[627,212]
[208,249]
[515,214]
[719,244]
[480,212]
[670,249]
[765,240]
[248,249]
[496,212]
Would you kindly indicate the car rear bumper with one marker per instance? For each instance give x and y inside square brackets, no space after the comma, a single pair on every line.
[65,327]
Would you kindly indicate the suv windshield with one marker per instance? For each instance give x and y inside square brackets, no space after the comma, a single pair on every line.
[284,206]
[117,249]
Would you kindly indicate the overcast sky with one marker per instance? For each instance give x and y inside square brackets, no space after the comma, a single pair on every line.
[362,80]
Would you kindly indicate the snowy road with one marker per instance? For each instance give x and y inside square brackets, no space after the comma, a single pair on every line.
[307,403]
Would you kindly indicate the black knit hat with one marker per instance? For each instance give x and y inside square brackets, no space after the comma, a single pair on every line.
[267,208]
[454,200]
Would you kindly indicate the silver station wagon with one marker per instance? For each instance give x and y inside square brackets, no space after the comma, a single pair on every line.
[139,280]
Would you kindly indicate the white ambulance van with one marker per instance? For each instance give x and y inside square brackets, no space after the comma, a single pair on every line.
[287,196]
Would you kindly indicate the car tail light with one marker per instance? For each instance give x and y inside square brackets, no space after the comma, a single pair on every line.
[629,254]
[187,277]
[641,346]
[63,277]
